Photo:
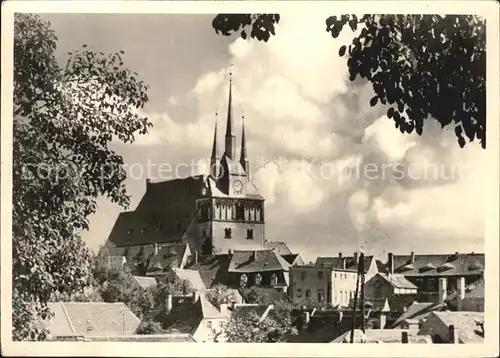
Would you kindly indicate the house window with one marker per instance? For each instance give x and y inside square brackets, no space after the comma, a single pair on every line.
[243,280]
[299,292]
[430,283]
[419,282]
[335,275]
[258,279]
[320,274]
[274,280]
[308,293]
[250,234]
[227,233]
[303,275]
[321,295]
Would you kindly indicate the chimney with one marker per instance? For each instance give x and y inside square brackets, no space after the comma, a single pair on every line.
[307,317]
[196,296]
[195,256]
[404,337]
[390,263]
[356,258]
[168,303]
[342,263]
[442,289]
[412,257]
[156,248]
[340,255]
[460,292]
[382,320]
[223,308]
[255,255]
[452,337]
[341,316]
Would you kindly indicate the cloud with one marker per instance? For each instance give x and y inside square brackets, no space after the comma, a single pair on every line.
[318,133]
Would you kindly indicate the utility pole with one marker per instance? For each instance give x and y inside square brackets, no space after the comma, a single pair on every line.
[360,280]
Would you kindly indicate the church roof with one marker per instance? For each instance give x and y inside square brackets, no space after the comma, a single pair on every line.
[163,214]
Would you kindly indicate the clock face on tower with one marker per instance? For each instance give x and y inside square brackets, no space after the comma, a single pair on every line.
[237,186]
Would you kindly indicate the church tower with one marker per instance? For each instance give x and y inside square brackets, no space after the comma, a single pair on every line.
[230,213]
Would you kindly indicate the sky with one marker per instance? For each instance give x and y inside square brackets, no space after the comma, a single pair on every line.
[336,174]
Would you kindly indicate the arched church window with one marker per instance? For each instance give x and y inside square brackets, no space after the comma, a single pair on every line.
[233,212]
[274,280]
[258,279]
[227,233]
[243,280]
[250,234]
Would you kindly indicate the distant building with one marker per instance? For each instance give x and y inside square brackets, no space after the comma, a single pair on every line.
[383,336]
[416,314]
[371,265]
[471,299]
[146,282]
[454,327]
[193,315]
[424,271]
[322,284]
[259,268]
[77,320]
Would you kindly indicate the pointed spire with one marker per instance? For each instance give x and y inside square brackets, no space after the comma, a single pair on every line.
[214,146]
[214,159]
[230,125]
[243,156]
[243,142]
[230,150]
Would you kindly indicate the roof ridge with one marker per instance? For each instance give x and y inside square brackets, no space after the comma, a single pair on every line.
[67,318]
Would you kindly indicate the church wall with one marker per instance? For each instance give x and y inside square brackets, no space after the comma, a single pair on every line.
[238,240]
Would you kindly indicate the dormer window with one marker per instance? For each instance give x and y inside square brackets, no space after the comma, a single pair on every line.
[427,267]
[258,279]
[130,231]
[446,266]
[143,230]
[274,280]
[243,280]
[250,234]
[227,233]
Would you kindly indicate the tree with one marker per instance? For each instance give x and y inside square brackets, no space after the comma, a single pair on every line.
[421,66]
[149,327]
[249,327]
[64,119]
[220,294]
[176,287]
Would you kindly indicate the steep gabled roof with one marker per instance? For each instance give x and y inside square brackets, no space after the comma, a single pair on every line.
[212,269]
[186,314]
[439,264]
[293,259]
[146,282]
[398,281]
[465,323]
[244,261]
[280,247]
[192,276]
[163,214]
[350,262]
[91,318]
[419,311]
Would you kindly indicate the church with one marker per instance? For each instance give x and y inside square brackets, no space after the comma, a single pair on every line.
[213,214]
